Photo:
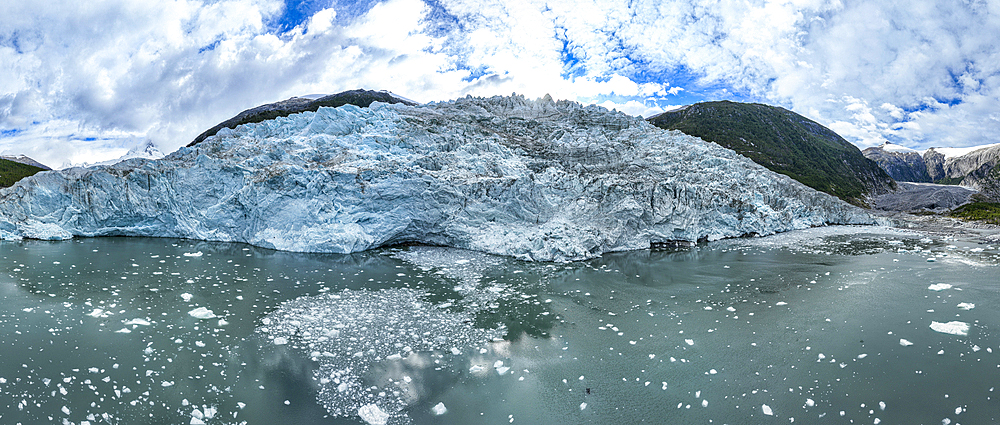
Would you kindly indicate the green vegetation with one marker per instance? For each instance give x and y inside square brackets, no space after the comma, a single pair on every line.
[786,143]
[988,212]
[11,172]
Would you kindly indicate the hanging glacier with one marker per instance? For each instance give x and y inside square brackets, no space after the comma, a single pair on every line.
[534,179]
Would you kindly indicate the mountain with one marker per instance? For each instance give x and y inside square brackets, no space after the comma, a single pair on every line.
[295,105]
[786,143]
[977,167]
[902,164]
[146,150]
[14,168]
[23,159]
[536,180]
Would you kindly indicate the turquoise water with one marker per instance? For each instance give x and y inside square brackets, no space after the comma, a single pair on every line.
[833,325]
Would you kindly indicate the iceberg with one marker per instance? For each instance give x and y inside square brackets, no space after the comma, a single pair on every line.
[537,180]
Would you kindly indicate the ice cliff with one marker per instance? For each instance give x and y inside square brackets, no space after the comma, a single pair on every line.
[538,180]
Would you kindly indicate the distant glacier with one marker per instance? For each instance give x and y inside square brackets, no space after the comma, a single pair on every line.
[537,180]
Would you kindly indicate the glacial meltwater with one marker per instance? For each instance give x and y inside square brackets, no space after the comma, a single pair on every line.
[830,325]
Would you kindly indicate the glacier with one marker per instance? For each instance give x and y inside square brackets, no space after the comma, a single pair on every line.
[534,179]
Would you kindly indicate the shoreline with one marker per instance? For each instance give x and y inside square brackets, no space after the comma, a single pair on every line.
[944,226]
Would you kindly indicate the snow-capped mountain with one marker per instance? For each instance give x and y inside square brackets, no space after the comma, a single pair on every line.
[976,167]
[538,180]
[146,150]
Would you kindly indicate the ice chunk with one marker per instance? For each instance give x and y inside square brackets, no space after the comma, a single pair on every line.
[583,405]
[810,402]
[966,306]
[372,414]
[280,340]
[939,286]
[905,342]
[954,327]
[142,322]
[439,409]
[767,410]
[202,313]
[187,297]
[689,341]
[193,254]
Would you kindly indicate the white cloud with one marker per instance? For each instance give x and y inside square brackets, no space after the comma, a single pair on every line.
[919,72]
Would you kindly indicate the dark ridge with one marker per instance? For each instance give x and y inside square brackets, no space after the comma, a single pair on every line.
[786,143]
[12,171]
[361,98]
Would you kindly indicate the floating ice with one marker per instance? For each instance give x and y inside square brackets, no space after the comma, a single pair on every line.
[370,325]
[905,342]
[689,341]
[280,340]
[810,402]
[767,410]
[202,313]
[187,297]
[372,414]
[966,306]
[142,322]
[583,405]
[193,254]
[954,327]
[939,286]
[439,409]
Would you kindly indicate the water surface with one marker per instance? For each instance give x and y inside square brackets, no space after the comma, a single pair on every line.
[833,325]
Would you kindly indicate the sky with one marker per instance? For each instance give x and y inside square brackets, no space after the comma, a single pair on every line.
[83,82]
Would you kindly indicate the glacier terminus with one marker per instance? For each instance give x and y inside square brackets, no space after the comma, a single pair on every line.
[533,179]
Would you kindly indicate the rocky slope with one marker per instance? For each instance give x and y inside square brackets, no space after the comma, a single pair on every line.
[975,167]
[786,143]
[538,180]
[902,164]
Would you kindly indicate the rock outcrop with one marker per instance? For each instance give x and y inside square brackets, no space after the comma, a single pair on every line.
[902,164]
[537,180]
